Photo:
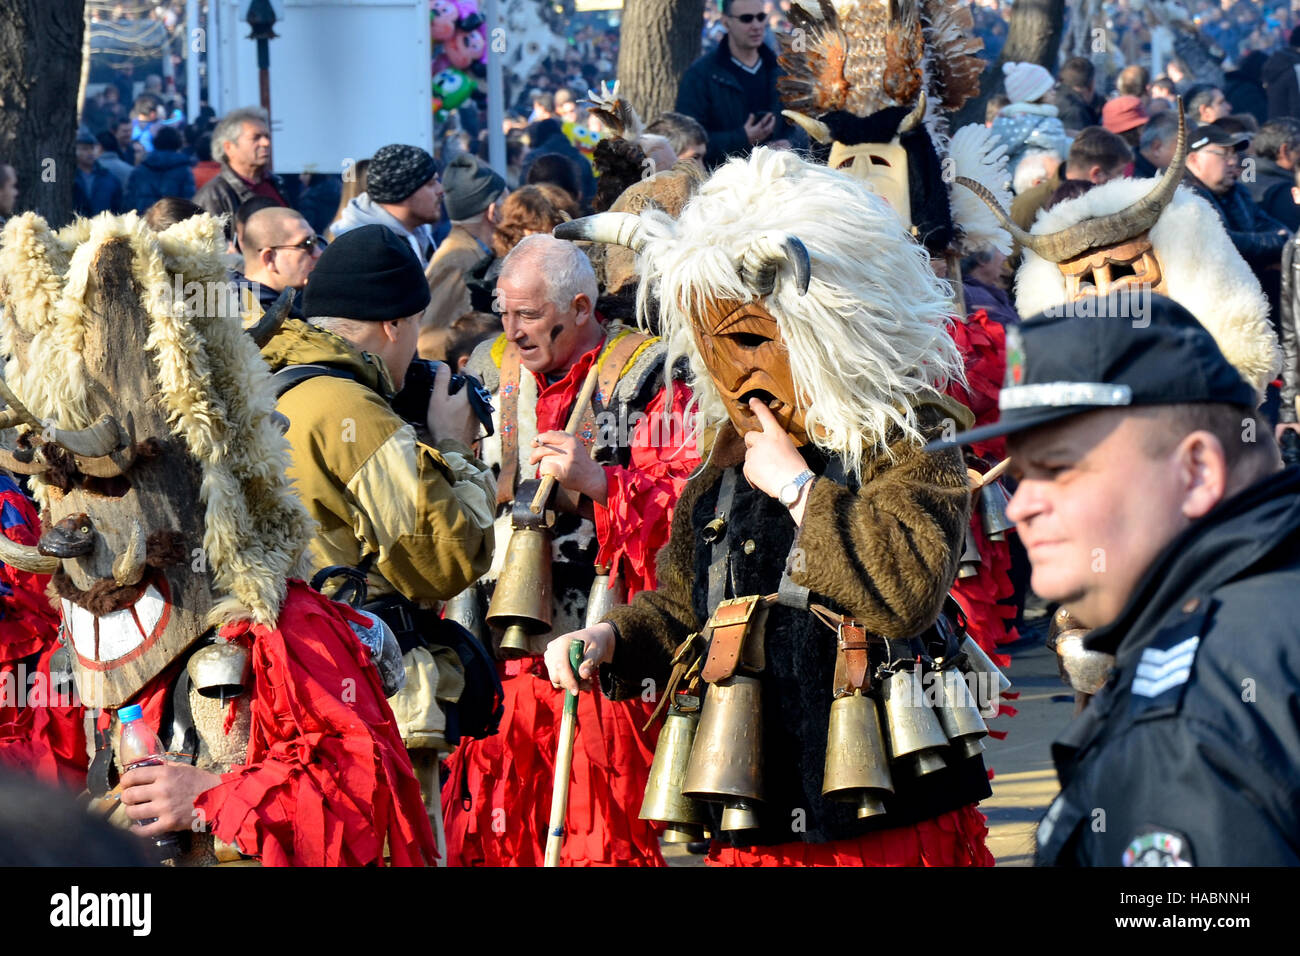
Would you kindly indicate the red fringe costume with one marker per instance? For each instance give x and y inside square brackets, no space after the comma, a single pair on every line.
[954,839]
[983,344]
[326,781]
[496,801]
[36,736]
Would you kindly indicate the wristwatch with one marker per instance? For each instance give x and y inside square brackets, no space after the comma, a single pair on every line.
[789,495]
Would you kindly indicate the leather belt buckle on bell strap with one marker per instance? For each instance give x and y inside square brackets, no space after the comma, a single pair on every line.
[853,646]
[727,629]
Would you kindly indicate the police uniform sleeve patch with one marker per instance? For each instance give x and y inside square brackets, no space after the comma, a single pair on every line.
[1156,847]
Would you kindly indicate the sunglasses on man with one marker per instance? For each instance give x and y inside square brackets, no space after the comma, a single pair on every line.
[308,245]
[751,17]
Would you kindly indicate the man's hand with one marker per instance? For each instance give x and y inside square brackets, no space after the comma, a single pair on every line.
[771,459]
[599,643]
[758,130]
[450,416]
[167,792]
[563,456]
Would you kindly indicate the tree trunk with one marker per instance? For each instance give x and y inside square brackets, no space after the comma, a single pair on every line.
[40,70]
[659,39]
[1033,36]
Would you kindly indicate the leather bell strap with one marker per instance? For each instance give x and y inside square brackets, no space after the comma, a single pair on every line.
[852,657]
[685,664]
[727,629]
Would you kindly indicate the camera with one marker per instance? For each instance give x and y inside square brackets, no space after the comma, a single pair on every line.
[412,402]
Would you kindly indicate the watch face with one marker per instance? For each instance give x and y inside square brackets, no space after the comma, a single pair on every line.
[789,494]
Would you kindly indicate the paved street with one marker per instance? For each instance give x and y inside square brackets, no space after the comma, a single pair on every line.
[1024,782]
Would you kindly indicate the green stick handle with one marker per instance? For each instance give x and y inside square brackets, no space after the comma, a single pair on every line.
[577,651]
[563,763]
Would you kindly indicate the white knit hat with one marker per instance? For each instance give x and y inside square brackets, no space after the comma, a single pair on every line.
[1026,82]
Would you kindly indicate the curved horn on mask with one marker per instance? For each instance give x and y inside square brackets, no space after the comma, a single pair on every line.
[118,462]
[11,462]
[128,567]
[1104,230]
[616,228]
[25,557]
[102,438]
[764,257]
[272,319]
[813,127]
[913,119]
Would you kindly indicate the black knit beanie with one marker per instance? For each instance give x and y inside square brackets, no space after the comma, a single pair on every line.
[397,171]
[370,274]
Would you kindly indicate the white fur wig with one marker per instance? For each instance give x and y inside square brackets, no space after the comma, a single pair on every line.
[868,339]
[1202,270]
[211,382]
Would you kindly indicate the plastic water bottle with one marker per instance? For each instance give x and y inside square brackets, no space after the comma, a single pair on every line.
[140,747]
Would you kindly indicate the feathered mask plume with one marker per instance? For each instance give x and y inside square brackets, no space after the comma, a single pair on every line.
[862,56]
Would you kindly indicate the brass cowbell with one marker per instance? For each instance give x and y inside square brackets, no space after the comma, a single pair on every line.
[220,670]
[726,764]
[914,729]
[682,817]
[521,603]
[959,715]
[857,766]
[970,562]
[993,511]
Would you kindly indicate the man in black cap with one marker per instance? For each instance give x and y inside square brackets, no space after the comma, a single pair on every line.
[1154,508]
[473,193]
[404,193]
[1213,166]
[412,505]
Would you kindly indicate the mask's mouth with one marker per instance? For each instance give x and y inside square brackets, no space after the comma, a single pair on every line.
[126,623]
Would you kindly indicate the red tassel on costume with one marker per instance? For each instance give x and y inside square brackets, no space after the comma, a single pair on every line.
[509,780]
[327,781]
[956,838]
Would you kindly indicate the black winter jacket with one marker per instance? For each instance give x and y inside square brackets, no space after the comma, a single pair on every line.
[162,173]
[1282,84]
[1258,236]
[711,93]
[1191,752]
[1270,188]
[225,192]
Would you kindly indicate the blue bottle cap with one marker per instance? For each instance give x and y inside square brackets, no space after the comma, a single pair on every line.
[130,712]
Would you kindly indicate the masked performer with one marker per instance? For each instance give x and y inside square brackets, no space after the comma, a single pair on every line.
[874,83]
[170,531]
[797,598]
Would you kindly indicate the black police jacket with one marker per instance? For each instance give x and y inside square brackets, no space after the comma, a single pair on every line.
[1191,752]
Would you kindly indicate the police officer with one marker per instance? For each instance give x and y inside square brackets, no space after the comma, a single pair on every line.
[1154,507]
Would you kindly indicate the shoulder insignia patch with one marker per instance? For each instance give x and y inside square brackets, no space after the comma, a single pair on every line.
[1162,670]
[1158,848]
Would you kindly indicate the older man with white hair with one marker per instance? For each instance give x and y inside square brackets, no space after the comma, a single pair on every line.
[619,474]
[241,142]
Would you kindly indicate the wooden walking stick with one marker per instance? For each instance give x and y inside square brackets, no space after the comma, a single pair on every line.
[575,419]
[563,763]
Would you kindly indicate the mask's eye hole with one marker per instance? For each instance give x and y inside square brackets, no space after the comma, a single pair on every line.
[114,487]
[880,161]
[747,340]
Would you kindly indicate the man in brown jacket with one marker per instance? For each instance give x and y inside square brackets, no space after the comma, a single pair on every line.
[473,194]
